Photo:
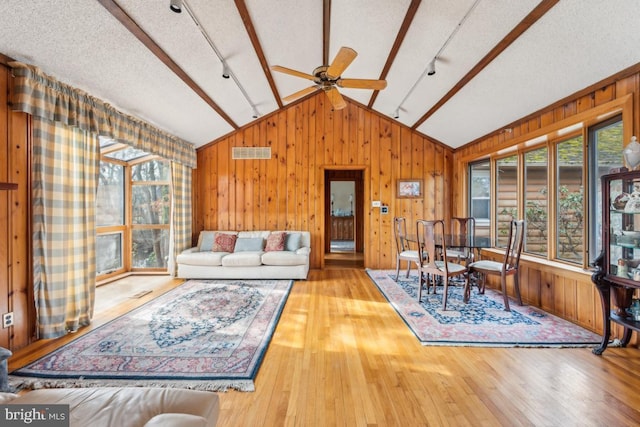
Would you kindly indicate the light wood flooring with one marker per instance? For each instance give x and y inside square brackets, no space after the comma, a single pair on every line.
[341,356]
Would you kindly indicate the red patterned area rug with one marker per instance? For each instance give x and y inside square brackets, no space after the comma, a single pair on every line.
[482,322]
[204,334]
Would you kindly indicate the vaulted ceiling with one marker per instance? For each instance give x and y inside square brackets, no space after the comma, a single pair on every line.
[495,60]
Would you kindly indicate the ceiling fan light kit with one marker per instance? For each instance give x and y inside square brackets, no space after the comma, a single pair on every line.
[327,77]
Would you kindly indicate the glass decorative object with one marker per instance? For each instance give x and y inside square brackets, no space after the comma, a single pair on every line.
[632,153]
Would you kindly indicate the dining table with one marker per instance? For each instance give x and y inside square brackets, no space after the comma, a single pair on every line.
[459,241]
[475,243]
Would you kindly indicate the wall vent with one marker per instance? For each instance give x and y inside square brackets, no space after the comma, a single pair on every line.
[238,153]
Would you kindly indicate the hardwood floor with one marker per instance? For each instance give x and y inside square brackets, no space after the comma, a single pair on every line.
[347,259]
[341,356]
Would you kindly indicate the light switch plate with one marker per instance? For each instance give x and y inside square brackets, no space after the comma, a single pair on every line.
[376,204]
[384,210]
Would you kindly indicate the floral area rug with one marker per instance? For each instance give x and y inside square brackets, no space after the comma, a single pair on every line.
[482,322]
[204,334]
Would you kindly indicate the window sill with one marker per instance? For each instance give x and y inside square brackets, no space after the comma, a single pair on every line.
[543,264]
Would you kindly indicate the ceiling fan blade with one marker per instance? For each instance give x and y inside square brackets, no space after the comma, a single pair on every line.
[300,93]
[345,56]
[337,101]
[362,83]
[286,70]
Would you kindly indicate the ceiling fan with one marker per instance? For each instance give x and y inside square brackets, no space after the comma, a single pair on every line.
[327,77]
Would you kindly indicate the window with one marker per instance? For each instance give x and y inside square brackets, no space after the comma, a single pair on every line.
[110,219]
[570,199]
[552,201]
[536,211]
[133,219]
[151,203]
[109,254]
[506,199]
[605,153]
[480,195]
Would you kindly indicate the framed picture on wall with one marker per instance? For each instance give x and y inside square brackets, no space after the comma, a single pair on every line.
[409,188]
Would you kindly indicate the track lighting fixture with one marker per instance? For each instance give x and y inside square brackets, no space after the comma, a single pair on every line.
[431,68]
[396,114]
[175,6]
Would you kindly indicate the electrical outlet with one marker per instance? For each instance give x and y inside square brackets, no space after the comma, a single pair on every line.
[7,320]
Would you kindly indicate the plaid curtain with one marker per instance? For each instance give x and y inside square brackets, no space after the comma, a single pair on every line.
[181,212]
[65,179]
[41,95]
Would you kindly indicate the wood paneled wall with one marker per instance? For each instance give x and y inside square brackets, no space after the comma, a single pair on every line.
[286,191]
[15,257]
[565,291]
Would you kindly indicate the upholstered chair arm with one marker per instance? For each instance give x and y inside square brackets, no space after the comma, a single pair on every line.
[4,370]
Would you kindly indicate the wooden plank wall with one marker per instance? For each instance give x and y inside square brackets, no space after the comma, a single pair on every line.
[286,191]
[16,293]
[566,292]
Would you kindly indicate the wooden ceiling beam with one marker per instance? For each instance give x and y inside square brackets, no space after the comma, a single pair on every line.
[404,28]
[257,47]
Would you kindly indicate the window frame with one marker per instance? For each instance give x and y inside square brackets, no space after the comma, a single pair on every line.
[127,229]
[121,229]
[134,227]
[550,135]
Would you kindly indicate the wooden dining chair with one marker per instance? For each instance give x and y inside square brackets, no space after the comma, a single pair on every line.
[403,251]
[429,235]
[505,268]
[462,226]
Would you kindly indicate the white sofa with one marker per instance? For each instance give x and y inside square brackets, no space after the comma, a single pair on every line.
[249,258]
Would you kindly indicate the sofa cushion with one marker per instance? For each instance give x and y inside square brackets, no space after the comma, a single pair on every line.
[284,258]
[275,241]
[249,244]
[201,258]
[177,420]
[205,240]
[224,242]
[242,259]
[292,241]
[254,233]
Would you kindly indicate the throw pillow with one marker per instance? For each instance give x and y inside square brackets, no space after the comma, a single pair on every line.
[275,242]
[292,241]
[224,242]
[205,241]
[244,244]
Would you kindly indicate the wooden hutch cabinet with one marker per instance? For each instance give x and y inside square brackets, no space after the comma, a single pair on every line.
[342,227]
[617,275]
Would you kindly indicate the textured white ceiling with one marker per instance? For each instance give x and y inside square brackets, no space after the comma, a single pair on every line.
[577,43]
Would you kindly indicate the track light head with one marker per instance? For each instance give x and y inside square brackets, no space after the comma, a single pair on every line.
[396,114]
[255,112]
[431,68]
[225,71]
[175,6]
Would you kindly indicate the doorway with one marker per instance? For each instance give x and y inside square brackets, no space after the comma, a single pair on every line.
[344,218]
